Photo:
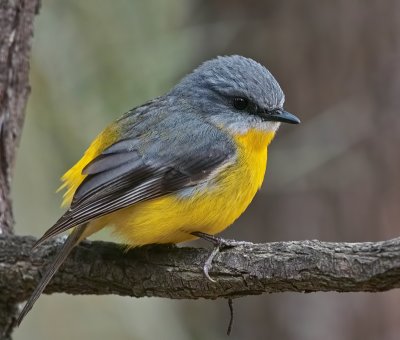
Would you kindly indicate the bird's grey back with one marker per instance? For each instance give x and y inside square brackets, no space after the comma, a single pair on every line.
[166,129]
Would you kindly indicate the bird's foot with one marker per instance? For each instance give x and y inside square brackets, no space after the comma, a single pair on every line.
[219,245]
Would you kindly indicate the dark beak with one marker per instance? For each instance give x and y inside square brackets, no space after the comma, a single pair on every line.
[280,116]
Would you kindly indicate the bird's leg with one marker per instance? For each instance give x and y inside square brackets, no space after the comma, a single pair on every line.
[219,244]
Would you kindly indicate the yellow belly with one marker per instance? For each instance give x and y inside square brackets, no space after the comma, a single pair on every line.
[172,218]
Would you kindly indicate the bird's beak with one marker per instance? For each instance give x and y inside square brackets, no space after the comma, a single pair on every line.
[281,116]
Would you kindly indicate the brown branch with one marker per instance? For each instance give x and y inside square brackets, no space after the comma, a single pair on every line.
[16,30]
[172,272]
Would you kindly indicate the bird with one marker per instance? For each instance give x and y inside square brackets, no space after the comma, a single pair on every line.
[182,166]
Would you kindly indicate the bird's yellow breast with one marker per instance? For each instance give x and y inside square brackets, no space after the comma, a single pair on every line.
[171,219]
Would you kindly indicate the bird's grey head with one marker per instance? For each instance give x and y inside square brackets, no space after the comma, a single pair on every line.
[235,92]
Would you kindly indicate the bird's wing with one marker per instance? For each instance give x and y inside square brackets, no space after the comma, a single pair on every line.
[121,176]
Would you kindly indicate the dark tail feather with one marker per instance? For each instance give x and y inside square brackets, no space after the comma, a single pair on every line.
[66,248]
[59,227]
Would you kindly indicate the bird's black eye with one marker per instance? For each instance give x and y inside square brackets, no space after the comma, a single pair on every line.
[240,103]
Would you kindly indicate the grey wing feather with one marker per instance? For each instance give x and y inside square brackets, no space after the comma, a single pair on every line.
[115,182]
[123,146]
[97,180]
[106,162]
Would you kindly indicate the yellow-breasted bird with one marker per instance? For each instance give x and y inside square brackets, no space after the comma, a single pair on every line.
[181,166]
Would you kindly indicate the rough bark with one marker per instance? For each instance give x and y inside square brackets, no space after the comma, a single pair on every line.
[16,30]
[172,272]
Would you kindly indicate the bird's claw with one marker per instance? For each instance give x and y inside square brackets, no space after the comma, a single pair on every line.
[219,244]
[208,263]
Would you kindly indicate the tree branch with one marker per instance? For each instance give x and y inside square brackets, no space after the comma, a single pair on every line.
[172,272]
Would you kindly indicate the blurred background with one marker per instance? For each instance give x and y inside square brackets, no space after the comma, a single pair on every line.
[336,177]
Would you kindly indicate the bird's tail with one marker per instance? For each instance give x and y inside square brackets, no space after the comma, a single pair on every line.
[72,240]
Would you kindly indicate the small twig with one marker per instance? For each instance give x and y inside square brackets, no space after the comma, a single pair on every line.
[230,304]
